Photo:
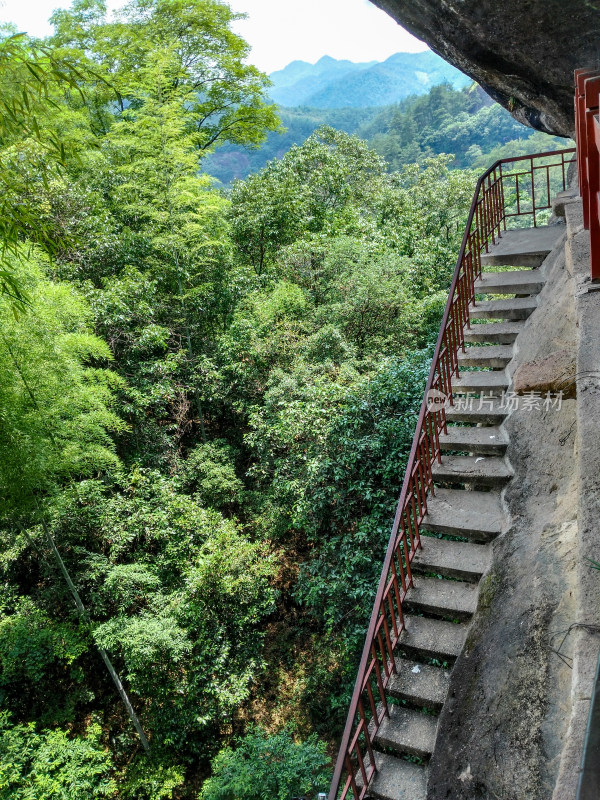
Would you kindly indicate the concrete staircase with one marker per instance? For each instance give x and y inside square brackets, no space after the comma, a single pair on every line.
[464,516]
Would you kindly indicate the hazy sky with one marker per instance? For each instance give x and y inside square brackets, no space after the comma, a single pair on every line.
[279,31]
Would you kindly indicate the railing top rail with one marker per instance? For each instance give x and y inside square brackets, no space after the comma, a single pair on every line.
[545,154]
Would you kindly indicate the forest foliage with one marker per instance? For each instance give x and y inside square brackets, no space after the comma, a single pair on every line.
[207,400]
[464,122]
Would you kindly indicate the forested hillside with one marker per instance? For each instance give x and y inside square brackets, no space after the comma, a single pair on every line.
[206,404]
[465,122]
[344,84]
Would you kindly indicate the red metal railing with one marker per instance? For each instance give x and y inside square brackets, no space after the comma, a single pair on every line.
[587,132]
[502,195]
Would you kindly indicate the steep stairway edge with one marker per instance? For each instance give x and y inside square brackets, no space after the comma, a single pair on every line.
[464,515]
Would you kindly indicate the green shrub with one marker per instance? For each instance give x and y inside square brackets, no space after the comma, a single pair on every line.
[50,764]
[262,766]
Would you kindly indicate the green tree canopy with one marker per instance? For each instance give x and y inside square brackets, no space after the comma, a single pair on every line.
[32,154]
[263,766]
[35,765]
[56,394]
[224,96]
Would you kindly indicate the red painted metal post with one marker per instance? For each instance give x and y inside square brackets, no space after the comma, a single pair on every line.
[581,76]
[592,161]
[533,193]
[580,134]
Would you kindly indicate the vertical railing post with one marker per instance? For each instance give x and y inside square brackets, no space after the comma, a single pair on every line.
[595,248]
[587,94]
[533,192]
[591,98]
[503,201]
[581,76]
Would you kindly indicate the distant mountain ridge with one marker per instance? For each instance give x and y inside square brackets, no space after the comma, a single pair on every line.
[332,83]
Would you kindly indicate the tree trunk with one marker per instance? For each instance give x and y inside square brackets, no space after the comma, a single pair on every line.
[104,655]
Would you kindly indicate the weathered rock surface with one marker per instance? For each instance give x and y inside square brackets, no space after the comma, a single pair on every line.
[555,373]
[523,52]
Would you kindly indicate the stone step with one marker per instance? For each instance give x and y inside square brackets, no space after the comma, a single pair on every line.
[477,410]
[474,470]
[459,512]
[561,199]
[482,441]
[424,637]
[523,247]
[396,779]
[484,382]
[463,560]
[408,732]
[493,332]
[443,598]
[513,308]
[526,281]
[496,356]
[419,684]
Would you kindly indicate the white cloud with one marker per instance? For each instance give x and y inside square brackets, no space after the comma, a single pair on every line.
[279,31]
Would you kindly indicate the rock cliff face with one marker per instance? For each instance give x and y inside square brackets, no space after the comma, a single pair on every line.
[523,52]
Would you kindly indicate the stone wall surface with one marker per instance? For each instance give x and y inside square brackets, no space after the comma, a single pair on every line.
[523,52]
[585,640]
